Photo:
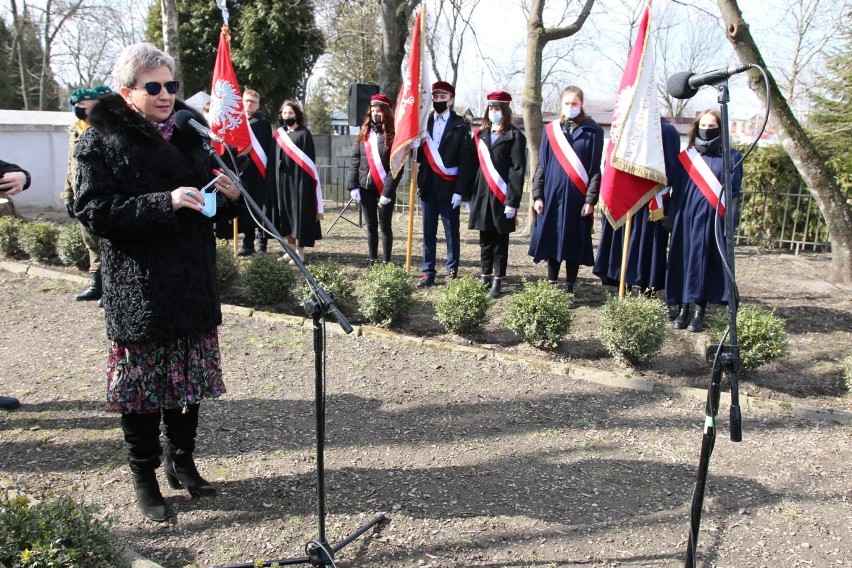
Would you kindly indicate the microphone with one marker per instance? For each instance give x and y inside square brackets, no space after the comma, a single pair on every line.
[186,120]
[685,84]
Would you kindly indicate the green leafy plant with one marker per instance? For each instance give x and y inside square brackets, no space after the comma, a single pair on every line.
[269,280]
[461,307]
[56,531]
[227,268]
[847,371]
[540,314]
[761,335]
[633,330]
[331,276]
[38,240]
[10,230]
[385,294]
[70,247]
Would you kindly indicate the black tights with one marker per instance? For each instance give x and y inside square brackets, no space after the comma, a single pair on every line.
[571,271]
[376,217]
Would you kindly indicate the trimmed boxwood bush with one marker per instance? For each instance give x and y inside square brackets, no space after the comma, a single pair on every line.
[461,307]
[540,314]
[385,294]
[70,247]
[268,278]
[38,240]
[331,276]
[55,532]
[762,336]
[10,230]
[227,268]
[633,330]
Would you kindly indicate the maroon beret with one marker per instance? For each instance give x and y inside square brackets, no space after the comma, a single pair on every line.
[498,98]
[380,99]
[444,86]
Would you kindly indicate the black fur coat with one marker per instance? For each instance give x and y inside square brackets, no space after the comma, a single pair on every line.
[159,265]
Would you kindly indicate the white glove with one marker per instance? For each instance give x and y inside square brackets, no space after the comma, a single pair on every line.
[467,206]
[510,212]
[355,194]
[456,200]
[385,200]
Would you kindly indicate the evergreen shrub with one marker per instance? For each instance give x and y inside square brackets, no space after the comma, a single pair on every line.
[540,314]
[761,335]
[633,330]
[57,531]
[38,240]
[10,230]
[227,268]
[268,278]
[847,371]
[333,278]
[461,307]
[385,294]
[70,247]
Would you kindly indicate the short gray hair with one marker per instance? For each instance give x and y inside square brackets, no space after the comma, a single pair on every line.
[137,59]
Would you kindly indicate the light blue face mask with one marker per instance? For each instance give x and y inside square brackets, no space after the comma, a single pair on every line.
[209,207]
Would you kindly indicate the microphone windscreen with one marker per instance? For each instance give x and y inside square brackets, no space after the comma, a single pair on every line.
[678,86]
[182,118]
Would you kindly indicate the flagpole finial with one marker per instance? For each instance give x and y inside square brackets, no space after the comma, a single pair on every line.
[223,6]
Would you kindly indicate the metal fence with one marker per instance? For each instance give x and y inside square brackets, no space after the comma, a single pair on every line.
[767,218]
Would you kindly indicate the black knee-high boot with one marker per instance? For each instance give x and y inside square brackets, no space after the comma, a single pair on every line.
[181,429]
[142,438]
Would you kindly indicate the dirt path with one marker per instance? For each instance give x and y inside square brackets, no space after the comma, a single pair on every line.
[476,462]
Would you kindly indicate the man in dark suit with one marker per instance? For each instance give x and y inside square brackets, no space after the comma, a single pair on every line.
[252,177]
[443,180]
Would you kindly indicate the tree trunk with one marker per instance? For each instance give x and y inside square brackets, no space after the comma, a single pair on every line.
[537,37]
[17,51]
[45,57]
[811,166]
[171,37]
[395,16]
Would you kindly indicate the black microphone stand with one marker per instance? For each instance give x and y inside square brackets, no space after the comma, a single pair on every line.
[319,552]
[724,356]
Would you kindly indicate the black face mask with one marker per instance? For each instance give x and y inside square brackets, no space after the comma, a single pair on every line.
[709,133]
[440,106]
[289,121]
[80,113]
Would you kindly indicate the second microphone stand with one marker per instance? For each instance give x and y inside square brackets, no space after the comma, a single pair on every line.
[318,552]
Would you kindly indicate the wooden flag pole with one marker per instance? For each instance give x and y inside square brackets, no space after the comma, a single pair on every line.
[412,194]
[621,287]
[236,234]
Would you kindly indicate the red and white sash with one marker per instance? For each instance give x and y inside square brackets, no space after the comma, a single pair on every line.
[257,153]
[566,156]
[496,184]
[433,158]
[658,201]
[302,160]
[374,160]
[702,176]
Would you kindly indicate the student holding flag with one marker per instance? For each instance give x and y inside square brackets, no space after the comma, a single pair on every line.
[500,148]
[565,189]
[295,200]
[695,273]
[370,176]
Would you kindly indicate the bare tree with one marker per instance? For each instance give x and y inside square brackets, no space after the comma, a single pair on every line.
[171,37]
[53,16]
[810,164]
[395,23]
[446,38]
[537,37]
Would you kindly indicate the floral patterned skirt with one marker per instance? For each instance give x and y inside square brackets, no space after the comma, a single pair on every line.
[145,377]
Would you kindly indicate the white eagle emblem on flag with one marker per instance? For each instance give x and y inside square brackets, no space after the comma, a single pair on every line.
[225,111]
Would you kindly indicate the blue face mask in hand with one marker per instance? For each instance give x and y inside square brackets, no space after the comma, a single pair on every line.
[209,207]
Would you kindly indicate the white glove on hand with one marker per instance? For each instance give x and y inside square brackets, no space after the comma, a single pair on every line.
[456,201]
[510,212]
[355,194]
[467,206]
[385,200]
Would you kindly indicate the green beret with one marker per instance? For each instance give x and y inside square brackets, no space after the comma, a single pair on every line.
[83,95]
[102,91]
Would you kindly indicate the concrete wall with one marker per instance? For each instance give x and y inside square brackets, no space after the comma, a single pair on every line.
[38,142]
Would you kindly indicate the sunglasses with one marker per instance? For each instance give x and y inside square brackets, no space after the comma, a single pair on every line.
[153,88]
